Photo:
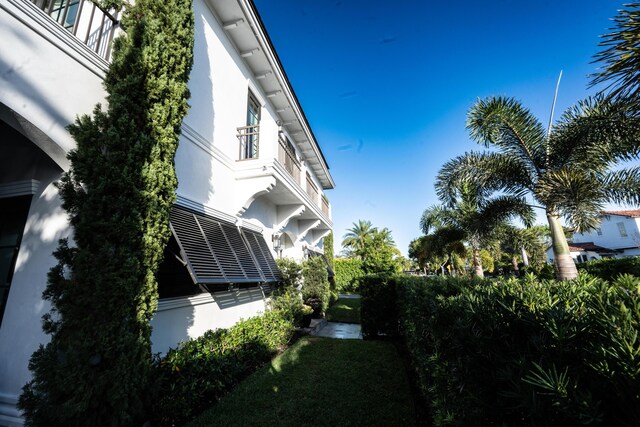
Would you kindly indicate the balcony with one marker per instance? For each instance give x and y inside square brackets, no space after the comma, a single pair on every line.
[86,20]
[287,157]
[325,206]
[312,190]
[249,138]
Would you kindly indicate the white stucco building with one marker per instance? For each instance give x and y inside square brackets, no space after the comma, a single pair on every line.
[618,236]
[248,165]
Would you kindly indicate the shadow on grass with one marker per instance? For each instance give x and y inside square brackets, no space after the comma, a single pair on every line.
[319,382]
[345,310]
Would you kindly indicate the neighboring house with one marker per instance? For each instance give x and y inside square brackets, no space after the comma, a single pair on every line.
[250,171]
[618,236]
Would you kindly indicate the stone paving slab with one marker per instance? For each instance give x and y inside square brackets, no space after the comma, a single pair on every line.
[348,296]
[345,331]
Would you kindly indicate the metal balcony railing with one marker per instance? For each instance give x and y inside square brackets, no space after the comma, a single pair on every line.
[312,190]
[248,137]
[325,206]
[84,19]
[287,158]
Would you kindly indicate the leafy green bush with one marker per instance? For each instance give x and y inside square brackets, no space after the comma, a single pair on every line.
[195,375]
[348,272]
[291,272]
[315,287]
[515,352]
[288,302]
[611,268]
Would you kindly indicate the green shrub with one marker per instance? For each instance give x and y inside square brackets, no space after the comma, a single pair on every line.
[288,302]
[195,375]
[611,268]
[348,272]
[291,272]
[516,352]
[315,287]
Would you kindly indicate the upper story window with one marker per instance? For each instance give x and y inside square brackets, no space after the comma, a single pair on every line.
[599,231]
[622,229]
[248,135]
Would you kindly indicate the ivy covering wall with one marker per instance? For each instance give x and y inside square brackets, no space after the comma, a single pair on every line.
[118,194]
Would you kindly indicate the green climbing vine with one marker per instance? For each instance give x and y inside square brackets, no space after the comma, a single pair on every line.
[118,194]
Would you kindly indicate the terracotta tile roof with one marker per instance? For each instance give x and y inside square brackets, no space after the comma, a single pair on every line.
[634,213]
[587,246]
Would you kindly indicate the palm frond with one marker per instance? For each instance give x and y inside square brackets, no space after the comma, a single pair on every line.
[488,171]
[594,134]
[620,63]
[504,208]
[435,217]
[448,240]
[576,194]
[623,186]
[505,123]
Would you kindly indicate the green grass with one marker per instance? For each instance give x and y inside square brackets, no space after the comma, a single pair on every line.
[345,310]
[321,382]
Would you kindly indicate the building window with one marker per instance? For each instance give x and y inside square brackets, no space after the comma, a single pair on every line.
[248,135]
[13,216]
[599,231]
[622,229]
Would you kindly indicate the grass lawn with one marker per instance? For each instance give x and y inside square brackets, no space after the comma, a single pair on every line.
[321,382]
[345,310]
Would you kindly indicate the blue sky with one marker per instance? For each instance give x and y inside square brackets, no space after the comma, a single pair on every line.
[386,85]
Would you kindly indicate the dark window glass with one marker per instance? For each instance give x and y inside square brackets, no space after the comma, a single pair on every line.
[13,216]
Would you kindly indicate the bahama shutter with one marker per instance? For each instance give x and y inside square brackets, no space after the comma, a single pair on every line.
[217,252]
[262,255]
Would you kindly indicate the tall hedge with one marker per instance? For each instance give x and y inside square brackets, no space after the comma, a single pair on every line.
[348,273]
[328,250]
[118,194]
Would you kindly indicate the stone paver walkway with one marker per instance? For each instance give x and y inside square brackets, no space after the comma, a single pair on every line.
[345,331]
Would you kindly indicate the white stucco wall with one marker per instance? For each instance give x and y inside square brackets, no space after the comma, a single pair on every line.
[46,77]
[21,331]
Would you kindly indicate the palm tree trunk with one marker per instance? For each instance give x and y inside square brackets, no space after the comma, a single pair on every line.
[565,266]
[477,264]
[514,263]
[525,257]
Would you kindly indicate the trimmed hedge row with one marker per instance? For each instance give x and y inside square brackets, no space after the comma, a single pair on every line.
[516,352]
[609,269]
[348,272]
[190,378]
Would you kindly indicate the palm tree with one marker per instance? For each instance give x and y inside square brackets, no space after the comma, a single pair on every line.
[567,170]
[357,236]
[475,218]
[523,241]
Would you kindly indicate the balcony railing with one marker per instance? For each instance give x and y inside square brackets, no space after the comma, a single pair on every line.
[287,158]
[312,190]
[248,137]
[84,19]
[325,206]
